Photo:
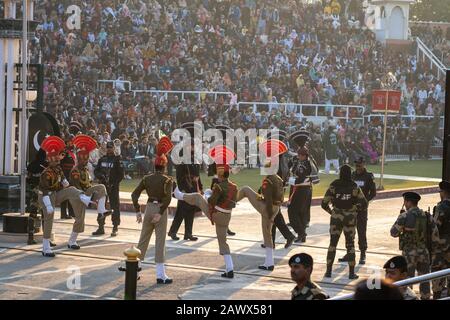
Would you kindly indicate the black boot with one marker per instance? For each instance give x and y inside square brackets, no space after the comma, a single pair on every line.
[115,231]
[231,233]
[343,259]
[328,272]
[100,231]
[352,275]
[31,240]
[289,242]
[190,238]
[362,257]
[173,236]
[229,274]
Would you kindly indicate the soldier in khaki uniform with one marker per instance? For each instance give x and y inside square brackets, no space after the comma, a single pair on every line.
[267,203]
[219,205]
[159,190]
[80,179]
[54,189]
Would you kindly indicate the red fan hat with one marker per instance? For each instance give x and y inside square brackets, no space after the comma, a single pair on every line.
[84,145]
[164,147]
[222,156]
[272,149]
[53,147]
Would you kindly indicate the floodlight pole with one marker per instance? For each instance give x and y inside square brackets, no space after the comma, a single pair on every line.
[23,130]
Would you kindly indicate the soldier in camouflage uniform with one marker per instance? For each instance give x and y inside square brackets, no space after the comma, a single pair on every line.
[301,269]
[417,234]
[441,255]
[347,199]
[219,205]
[158,187]
[268,203]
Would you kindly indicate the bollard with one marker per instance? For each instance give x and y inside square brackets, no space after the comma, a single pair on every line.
[131,271]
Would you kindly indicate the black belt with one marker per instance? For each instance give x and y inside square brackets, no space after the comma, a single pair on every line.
[153,200]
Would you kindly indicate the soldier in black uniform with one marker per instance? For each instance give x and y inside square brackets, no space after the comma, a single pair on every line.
[301,194]
[34,170]
[364,180]
[110,172]
[188,181]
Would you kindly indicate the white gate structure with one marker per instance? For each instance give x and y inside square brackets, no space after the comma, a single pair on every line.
[200,95]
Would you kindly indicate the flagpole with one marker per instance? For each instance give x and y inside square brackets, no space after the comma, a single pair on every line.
[23,132]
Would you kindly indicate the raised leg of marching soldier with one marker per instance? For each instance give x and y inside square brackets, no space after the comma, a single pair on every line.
[266,223]
[419,260]
[48,204]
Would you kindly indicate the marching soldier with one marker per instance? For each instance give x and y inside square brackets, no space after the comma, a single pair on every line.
[364,180]
[110,173]
[269,202]
[159,190]
[346,198]
[34,170]
[417,232]
[301,269]
[53,190]
[301,194]
[441,256]
[80,177]
[219,205]
[396,269]
[67,164]
[212,171]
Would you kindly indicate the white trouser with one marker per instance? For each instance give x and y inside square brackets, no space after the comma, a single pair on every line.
[335,163]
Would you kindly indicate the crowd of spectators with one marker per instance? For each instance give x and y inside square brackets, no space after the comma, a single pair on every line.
[262,51]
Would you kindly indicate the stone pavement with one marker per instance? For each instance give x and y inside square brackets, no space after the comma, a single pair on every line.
[194,266]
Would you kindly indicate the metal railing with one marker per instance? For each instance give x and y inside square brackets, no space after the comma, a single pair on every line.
[434,61]
[369,118]
[407,282]
[120,85]
[308,111]
[182,94]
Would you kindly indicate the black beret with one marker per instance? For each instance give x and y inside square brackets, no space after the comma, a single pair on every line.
[411,196]
[301,258]
[444,185]
[110,144]
[398,262]
[360,160]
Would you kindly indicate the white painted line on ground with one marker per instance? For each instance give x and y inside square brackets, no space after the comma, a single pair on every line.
[58,291]
[87,247]
[56,271]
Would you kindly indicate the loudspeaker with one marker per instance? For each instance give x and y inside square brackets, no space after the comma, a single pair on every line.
[446,153]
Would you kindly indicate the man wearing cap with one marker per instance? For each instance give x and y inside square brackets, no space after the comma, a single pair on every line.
[159,190]
[219,205]
[81,179]
[301,194]
[396,269]
[417,235]
[364,180]
[346,198]
[441,255]
[110,173]
[301,269]
[267,203]
[54,189]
